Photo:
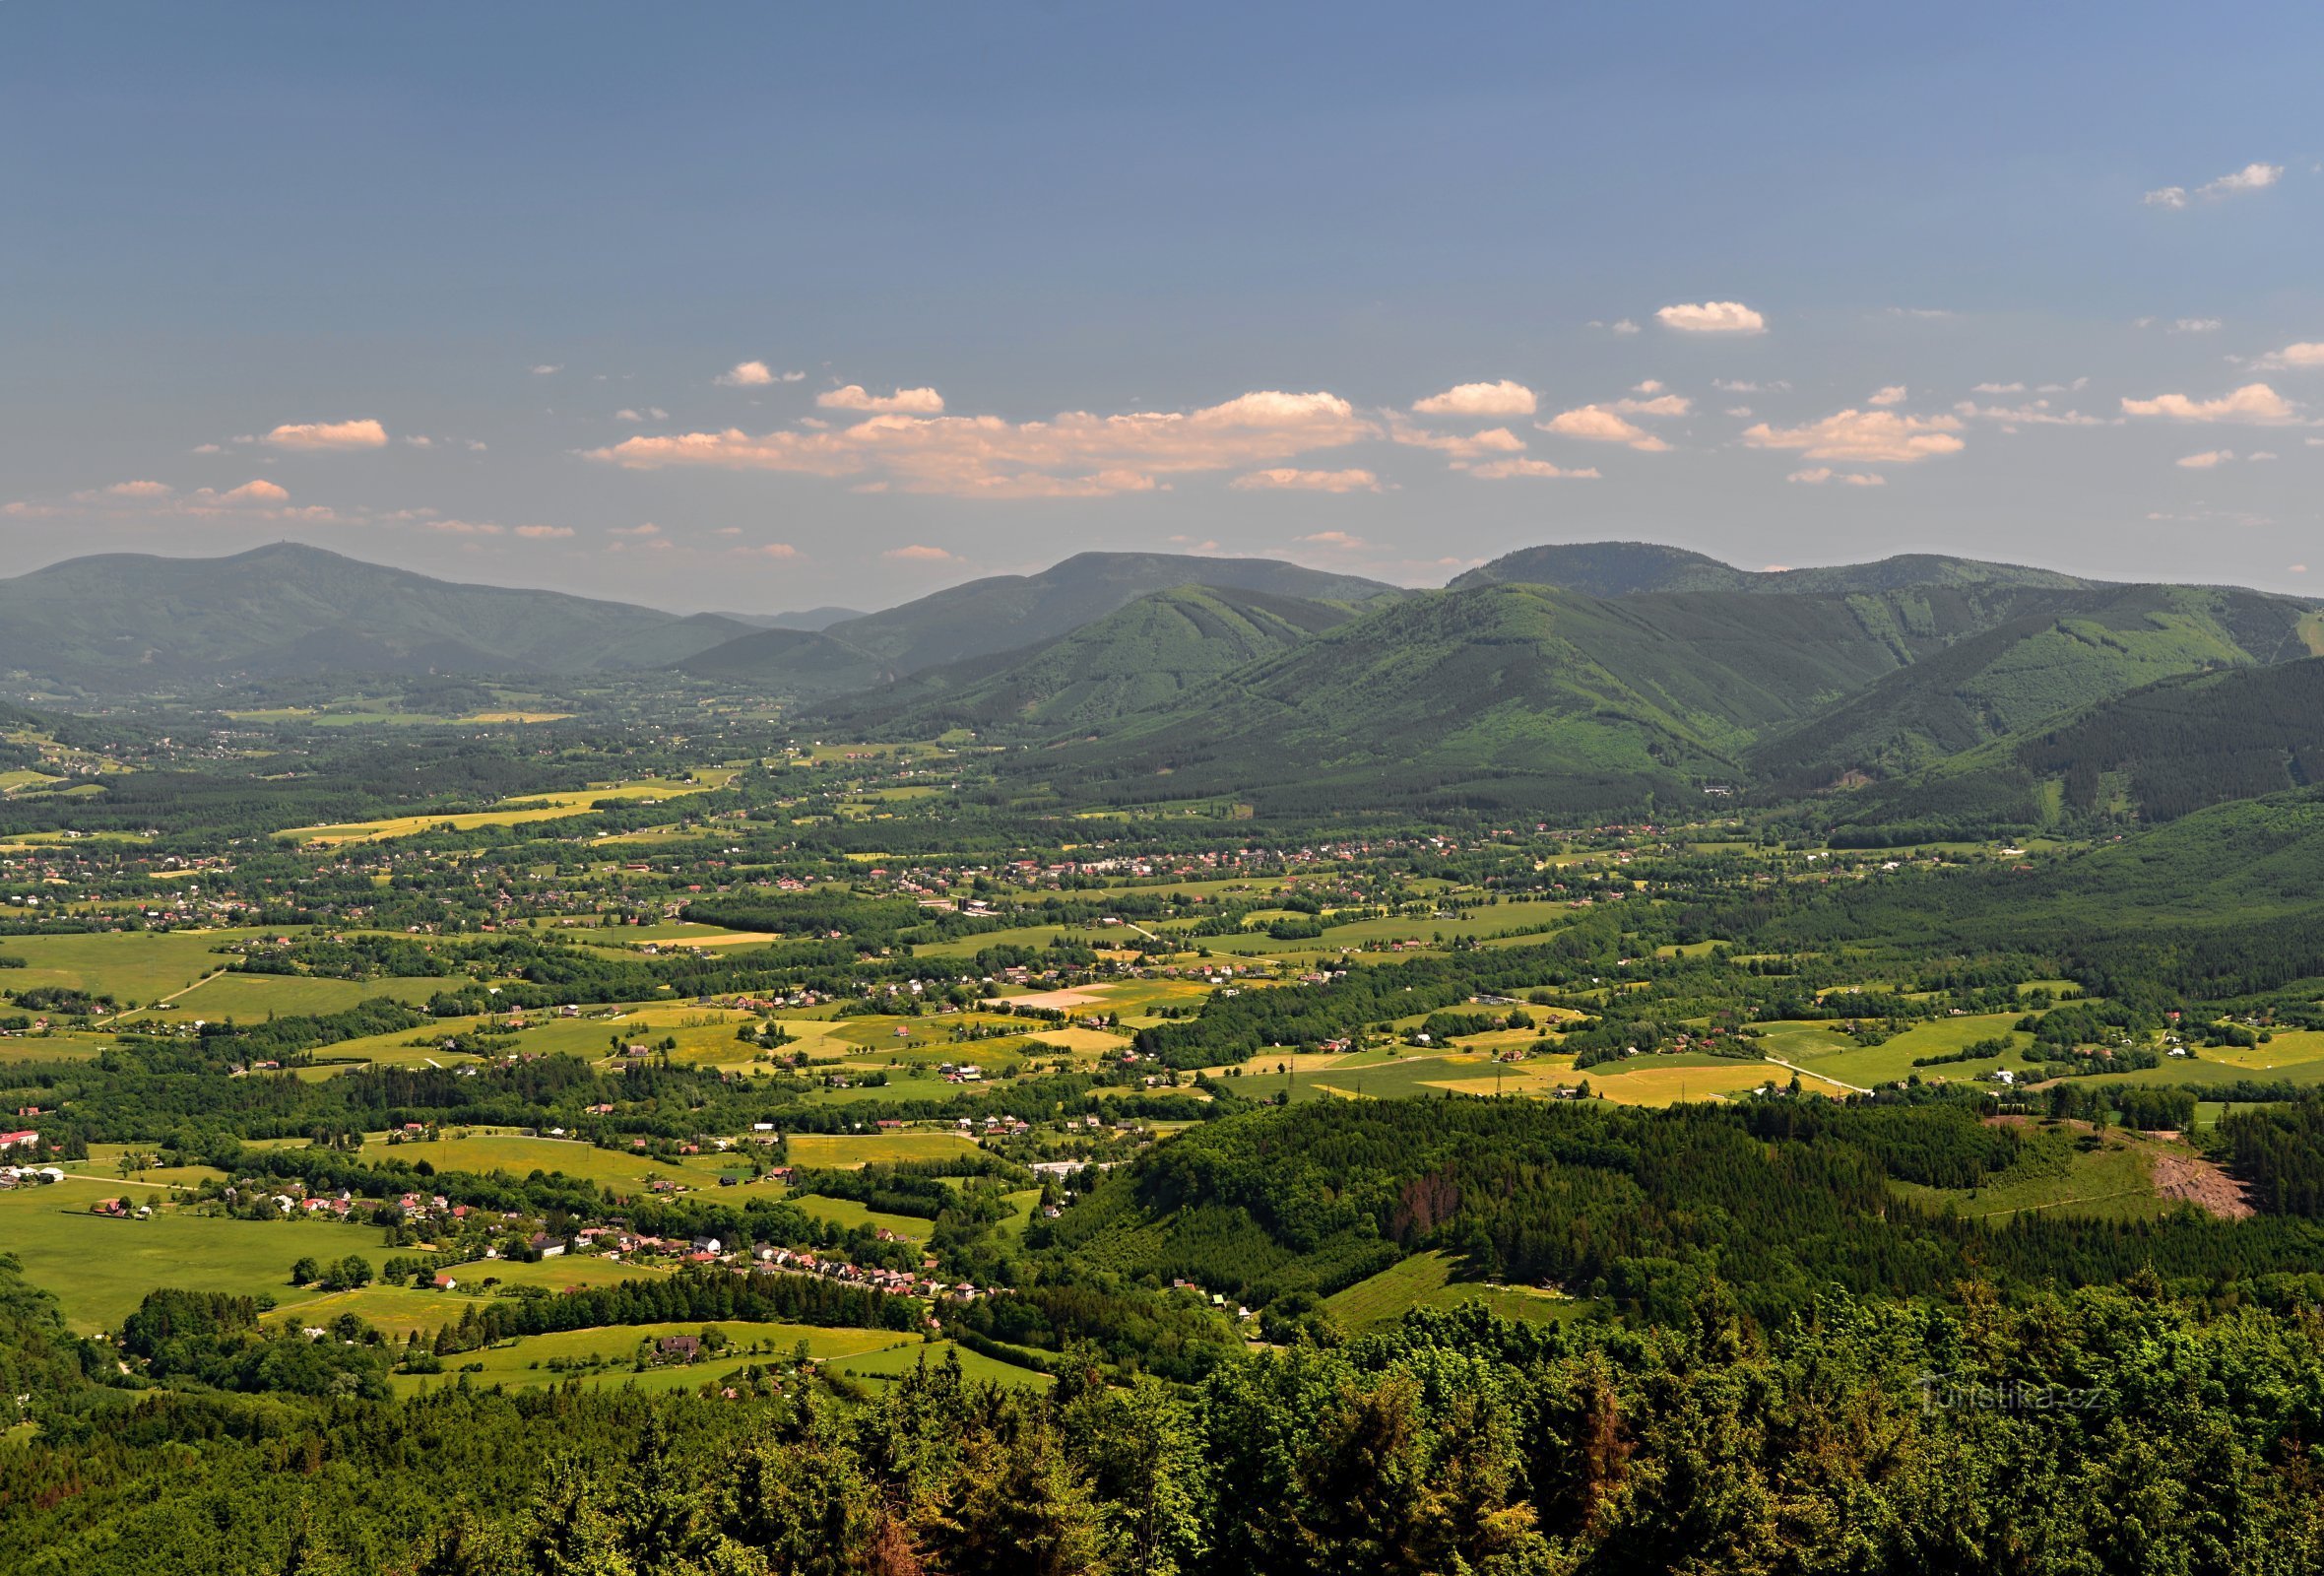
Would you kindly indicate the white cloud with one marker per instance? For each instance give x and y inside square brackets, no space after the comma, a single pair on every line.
[1731,386]
[2251,177]
[2209,459]
[2195,325]
[1712,317]
[903,402]
[1741,413]
[650,413]
[546,369]
[1075,454]
[358,434]
[545,533]
[1336,539]
[2258,455]
[2302,356]
[755,374]
[1503,398]
[1503,470]
[1894,394]
[420,441]
[1285,478]
[2298,569]
[130,490]
[451,527]
[918,554]
[646,529]
[1660,405]
[1999,388]
[1459,448]
[1818,475]
[260,490]
[1864,435]
[2032,413]
[1652,385]
[1600,426]
[768,550]
[2255,403]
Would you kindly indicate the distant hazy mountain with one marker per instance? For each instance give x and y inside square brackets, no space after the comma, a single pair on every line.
[807,619]
[1010,612]
[135,621]
[1627,569]
[1160,649]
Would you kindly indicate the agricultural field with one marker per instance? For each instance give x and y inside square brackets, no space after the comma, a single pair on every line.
[243,995]
[514,813]
[847,1215]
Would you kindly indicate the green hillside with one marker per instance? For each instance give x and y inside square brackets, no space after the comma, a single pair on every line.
[1013,611]
[1157,652]
[1629,569]
[135,621]
[2027,671]
[1515,694]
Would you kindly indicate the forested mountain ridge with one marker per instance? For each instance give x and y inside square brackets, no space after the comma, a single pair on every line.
[1157,652]
[1513,692]
[2080,648]
[1011,611]
[1629,569]
[136,621]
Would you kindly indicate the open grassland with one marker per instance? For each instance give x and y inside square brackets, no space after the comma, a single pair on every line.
[1426,1281]
[891,1363]
[1836,1057]
[101,1269]
[1659,1084]
[608,1356]
[848,1151]
[18,1051]
[521,1157]
[141,966]
[2112,1181]
[847,1215]
[244,997]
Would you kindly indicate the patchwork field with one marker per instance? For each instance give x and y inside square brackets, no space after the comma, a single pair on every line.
[514,813]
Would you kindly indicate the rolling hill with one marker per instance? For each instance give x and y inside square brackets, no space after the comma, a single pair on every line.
[1157,652]
[1009,612]
[136,622]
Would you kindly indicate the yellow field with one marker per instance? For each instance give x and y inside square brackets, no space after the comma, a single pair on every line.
[513,813]
[848,1151]
[1668,1085]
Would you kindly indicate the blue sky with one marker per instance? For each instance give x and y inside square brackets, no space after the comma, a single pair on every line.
[1388,289]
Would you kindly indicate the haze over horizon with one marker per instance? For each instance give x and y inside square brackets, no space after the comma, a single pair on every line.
[760,310]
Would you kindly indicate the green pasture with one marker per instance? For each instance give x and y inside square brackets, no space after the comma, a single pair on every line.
[101,1269]
[1426,1281]
[138,967]
[848,1214]
[521,1157]
[891,1363]
[247,997]
[525,1363]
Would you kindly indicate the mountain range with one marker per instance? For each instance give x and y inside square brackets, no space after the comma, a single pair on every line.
[1569,678]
